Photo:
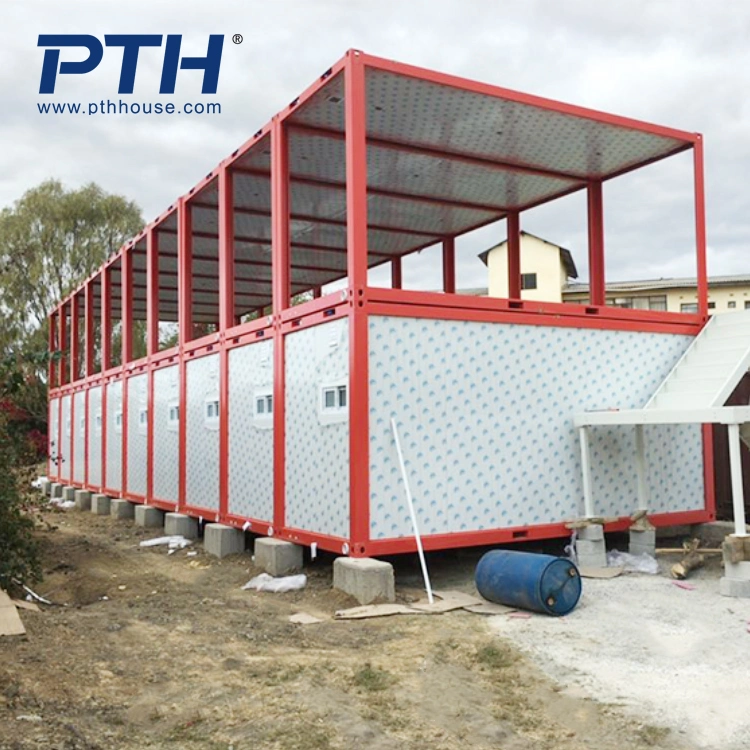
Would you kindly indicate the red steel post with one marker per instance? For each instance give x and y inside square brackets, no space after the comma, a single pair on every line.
[513,247]
[597,282]
[449,265]
[281,291]
[356,226]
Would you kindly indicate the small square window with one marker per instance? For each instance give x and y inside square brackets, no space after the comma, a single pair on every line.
[747,304]
[731,304]
[711,305]
[528,281]
[329,396]
[269,404]
[689,307]
[342,396]
[333,403]
[260,406]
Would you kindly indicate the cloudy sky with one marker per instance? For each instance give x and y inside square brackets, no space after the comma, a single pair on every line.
[681,63]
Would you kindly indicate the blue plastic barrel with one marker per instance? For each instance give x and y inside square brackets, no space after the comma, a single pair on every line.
[540,583]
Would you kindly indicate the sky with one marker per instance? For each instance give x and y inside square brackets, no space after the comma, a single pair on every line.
[679,63]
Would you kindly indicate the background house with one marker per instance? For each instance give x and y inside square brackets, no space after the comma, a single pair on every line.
[548,272]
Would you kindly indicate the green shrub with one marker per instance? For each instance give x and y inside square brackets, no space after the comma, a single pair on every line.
[19,557]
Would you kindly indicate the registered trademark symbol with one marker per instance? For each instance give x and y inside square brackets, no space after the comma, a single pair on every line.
[237,38]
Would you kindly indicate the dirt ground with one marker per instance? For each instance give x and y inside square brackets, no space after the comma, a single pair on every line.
[166,651]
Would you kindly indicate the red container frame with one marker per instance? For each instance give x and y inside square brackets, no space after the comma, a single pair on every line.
[358,302]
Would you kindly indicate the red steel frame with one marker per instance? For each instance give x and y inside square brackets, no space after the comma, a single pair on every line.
[359,303]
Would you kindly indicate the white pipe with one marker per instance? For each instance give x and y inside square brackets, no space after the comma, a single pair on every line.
[735,466]
[588,500]
[640,466]
[410,502]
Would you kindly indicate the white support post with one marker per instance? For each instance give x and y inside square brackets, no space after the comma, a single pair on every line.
[588,500]
[735,465]
[640,467]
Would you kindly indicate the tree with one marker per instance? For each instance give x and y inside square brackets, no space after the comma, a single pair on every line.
[50,240]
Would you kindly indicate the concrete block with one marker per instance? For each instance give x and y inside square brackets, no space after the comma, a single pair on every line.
[178,524]
[642,542]
[56,490]
[148,516]
[83,499]
[366,579]
[737,571]
[120,508]
[586,547]
[221,541]
[45,486]
[277,557]
[592,533]
[734,587]
[598,560]
[69,494]
[100,504]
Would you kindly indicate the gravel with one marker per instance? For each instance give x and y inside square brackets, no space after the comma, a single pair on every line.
[676,658]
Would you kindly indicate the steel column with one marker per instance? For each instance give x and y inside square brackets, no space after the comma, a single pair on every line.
[106,319]
[449,265]
[226,321]
[152,292]
[127,307]
[281,292]
[700,227]
[185,323]
[356,227]
[514,255]
[75,303]
[597,284]
[396,274]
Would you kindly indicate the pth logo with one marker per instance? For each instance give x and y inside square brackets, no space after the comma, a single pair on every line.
[131,44]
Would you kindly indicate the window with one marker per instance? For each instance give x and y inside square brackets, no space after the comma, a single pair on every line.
[333,403]
[689,307]
[143,421]
[528,281]
[264,405]
[711,305]
[747,304]
[731,304]
[173,416]
[212,413]
[658,302]
[263,414]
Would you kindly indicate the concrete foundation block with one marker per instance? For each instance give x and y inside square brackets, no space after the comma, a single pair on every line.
[220,540]
[277,557]
[675,532]
[121,509]
[178,524]
[734,587]
[56,490]
[591,553]
[366,579]
[737,571]
[83,499]
[68,494]
[592,561]
[643,542]
[100,504]
[149,517]
[592,533]
[45,487]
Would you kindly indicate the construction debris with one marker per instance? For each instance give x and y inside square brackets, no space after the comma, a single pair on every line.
[10,622]
[692,560]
